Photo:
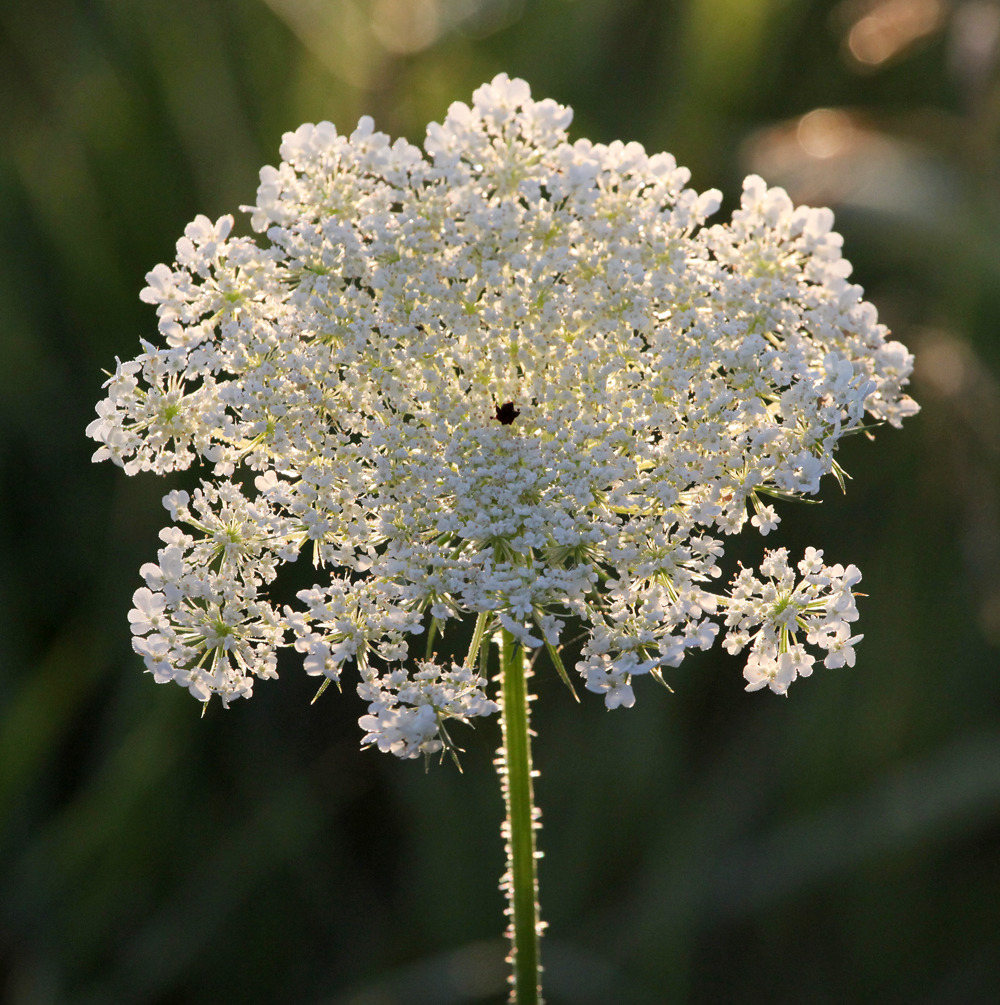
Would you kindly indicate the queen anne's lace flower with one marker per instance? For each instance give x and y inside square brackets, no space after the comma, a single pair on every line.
[521,377]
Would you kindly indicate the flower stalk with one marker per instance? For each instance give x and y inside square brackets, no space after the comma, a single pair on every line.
[520,882]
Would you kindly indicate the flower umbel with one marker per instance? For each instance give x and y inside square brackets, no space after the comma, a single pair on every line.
[517,377]
[819,605]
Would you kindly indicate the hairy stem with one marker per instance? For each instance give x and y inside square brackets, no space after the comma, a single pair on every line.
[520,882]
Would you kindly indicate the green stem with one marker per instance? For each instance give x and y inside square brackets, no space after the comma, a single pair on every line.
[521,879]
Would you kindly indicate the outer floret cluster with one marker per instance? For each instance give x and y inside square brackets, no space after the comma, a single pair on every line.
[518,375]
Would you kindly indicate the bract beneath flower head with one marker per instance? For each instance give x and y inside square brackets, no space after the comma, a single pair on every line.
[519,375]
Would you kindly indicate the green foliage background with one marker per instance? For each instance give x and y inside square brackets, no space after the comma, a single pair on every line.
[840,846]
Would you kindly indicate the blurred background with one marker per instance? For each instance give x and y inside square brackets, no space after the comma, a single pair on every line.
[710,846]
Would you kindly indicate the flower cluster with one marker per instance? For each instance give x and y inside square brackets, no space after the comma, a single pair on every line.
[819,606]
[201,620]
[517,376]
[407,712]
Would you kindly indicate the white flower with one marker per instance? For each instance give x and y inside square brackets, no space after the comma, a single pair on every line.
[148,612]
[603,677]
[405,714]
[766,520]
[321,660]
[518,377]
[771,615]
[764,671]
[841,647]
